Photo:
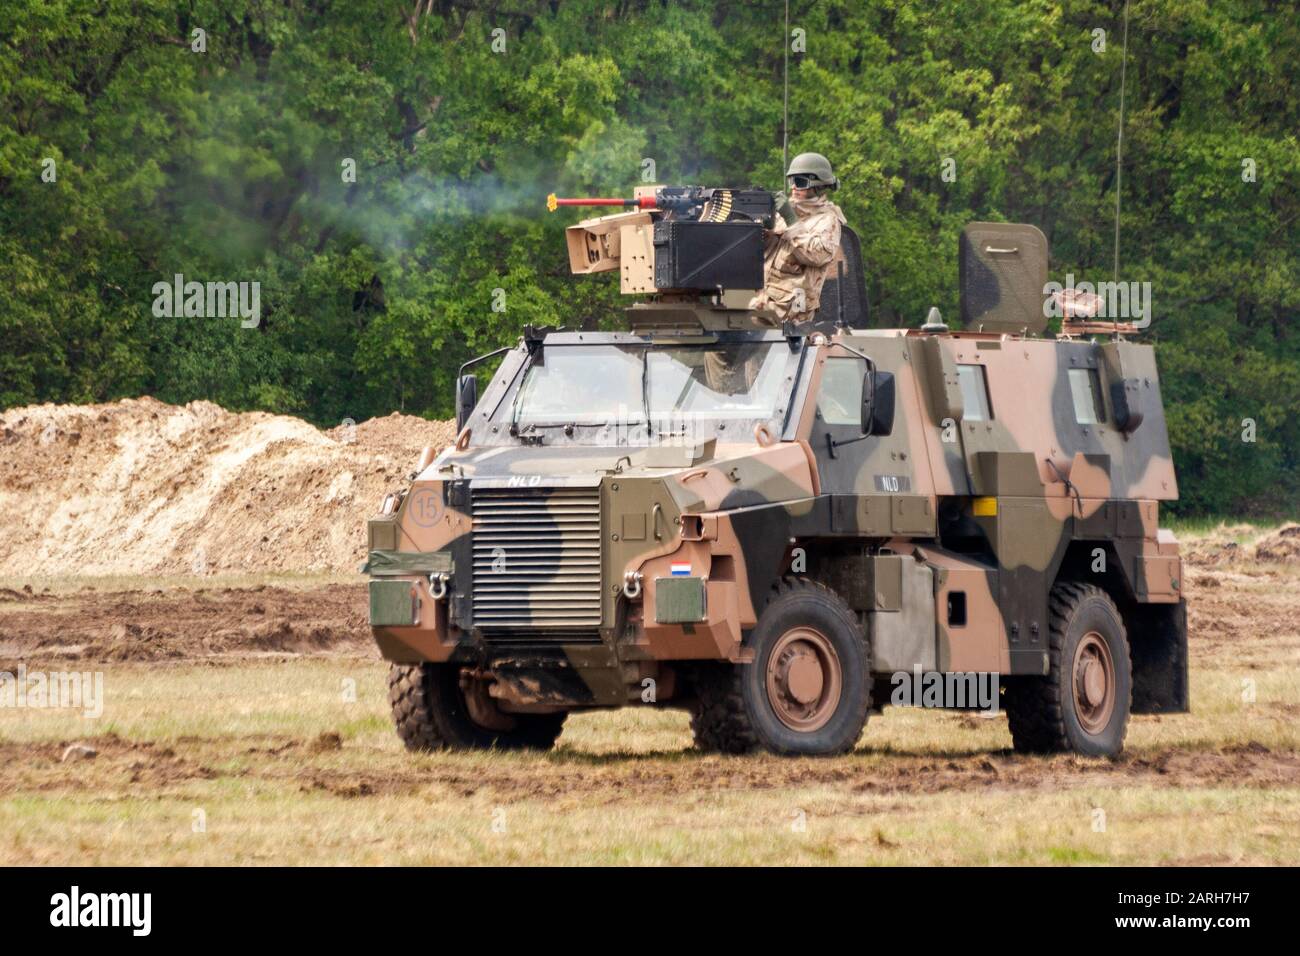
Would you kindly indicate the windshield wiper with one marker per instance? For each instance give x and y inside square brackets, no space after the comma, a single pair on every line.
[534,426]
[528,434]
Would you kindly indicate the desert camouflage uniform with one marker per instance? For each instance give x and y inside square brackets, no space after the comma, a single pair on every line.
[798,257]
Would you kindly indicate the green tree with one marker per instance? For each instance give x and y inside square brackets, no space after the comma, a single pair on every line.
[235,163]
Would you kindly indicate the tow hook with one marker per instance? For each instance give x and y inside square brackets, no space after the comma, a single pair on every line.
[632,585]
[438,585]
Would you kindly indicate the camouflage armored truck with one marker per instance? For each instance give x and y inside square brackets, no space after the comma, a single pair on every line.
[767,524]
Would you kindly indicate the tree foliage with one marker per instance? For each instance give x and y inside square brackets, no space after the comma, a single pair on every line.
[228,165]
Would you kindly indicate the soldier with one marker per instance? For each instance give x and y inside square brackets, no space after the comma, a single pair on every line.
[797,257]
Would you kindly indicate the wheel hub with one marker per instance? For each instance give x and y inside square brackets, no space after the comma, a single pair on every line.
[804,679]
[1094,683]
[803,676]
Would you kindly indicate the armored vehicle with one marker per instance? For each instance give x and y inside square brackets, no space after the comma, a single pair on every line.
[774,526]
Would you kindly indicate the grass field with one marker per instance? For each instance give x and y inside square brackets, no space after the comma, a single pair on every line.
[272,756]
[283,769]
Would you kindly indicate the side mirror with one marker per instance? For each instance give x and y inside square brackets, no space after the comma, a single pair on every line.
[877,402]
[466,399]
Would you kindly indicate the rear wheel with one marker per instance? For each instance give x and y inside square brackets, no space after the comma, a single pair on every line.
[808,689]
[431,713]
[1083,702]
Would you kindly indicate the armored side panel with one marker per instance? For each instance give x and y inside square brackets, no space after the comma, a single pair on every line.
[708,255]
[902,622]
[636,272]
[1002,268]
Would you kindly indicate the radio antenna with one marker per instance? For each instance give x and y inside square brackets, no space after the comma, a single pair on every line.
[1119,139]
[785,115]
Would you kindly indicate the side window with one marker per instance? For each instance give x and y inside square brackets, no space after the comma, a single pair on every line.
[840,399]
[1085,388]
[974,393]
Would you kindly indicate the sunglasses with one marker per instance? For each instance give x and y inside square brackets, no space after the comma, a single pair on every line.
[801,182]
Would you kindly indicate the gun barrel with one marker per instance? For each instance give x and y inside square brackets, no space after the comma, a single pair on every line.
[645,202]
[596,202]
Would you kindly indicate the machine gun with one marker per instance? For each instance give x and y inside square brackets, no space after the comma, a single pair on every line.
[691,203]
[675,239]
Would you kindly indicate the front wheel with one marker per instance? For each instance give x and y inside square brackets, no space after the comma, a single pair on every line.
[431,713]
[808,689]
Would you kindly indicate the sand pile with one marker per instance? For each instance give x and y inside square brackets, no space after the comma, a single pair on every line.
[140,487]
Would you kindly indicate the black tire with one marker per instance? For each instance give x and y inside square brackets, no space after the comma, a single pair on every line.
[430,713]
[1046,714]
[734,710]
[718,720]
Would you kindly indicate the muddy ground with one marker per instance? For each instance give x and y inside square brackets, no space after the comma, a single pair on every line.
[180,623]
[223,696]
[150,763]
[1243,614]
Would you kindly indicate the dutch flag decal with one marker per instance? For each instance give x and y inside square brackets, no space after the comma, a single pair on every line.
[680,569]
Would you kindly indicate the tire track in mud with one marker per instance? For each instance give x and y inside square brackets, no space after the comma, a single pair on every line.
[312,766]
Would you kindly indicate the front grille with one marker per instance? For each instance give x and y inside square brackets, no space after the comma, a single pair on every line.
[537,564]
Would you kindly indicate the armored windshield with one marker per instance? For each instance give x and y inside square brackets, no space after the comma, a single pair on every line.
[665,387]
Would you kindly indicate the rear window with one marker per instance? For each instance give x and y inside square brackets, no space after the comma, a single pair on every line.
[974,393]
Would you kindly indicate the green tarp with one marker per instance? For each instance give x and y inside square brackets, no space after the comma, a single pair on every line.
[385,563]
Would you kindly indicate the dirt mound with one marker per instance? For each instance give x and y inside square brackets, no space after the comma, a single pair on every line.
[1219,545]
[1241,545]
[183,623]
[142,487]
[1283,545]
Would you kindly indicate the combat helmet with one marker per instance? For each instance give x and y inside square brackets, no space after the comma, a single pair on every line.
[816,167]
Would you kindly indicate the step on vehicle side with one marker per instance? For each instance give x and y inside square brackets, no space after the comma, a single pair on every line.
[767,524]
